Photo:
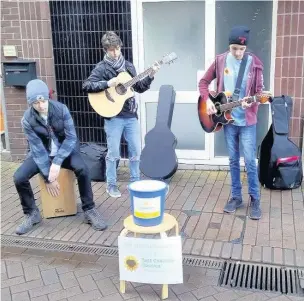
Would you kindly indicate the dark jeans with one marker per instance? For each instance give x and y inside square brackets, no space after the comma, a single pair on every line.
[28,169]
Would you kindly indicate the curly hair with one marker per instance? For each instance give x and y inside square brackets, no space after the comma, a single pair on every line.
[110,39]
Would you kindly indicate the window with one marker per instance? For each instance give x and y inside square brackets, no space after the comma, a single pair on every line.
[175,27]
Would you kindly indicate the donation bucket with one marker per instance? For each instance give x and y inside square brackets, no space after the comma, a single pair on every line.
[148,202]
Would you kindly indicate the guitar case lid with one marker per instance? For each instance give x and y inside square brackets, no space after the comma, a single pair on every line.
[281,112]
[165,105]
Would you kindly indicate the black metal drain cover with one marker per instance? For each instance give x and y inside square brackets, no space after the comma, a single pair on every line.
[260,277]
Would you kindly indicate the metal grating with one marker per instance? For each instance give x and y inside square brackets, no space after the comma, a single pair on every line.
[77,29]
[260,277]
[11,241]
[202,263]
[301,276]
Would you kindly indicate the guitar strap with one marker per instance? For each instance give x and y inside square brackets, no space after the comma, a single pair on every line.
[239,80]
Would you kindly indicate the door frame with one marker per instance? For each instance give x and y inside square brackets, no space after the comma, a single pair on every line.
[189,156]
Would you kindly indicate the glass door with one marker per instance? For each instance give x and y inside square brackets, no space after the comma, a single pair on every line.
[162,27]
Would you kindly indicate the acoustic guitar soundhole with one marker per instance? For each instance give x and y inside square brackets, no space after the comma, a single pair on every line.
[217,107]
[120,89]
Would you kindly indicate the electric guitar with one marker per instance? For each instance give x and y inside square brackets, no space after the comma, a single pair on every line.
[223,105]
[109,103]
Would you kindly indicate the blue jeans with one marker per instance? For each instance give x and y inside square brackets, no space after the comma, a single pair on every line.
[114,129]
[246,135]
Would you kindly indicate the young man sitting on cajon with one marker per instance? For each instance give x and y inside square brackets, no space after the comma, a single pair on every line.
[51,135]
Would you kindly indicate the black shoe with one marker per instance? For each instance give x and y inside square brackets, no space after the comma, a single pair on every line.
[94,218]
[29,222]
[255,211]
[113,191]
[233,204]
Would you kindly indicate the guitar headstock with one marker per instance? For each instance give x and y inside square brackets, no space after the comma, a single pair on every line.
[169,58]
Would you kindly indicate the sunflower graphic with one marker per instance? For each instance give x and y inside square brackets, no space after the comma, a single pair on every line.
[131,263]
[226,71]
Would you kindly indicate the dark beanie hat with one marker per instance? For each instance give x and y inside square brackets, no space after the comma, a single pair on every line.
[239,35]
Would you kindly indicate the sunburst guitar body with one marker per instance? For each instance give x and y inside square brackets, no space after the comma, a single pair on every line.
[109,103]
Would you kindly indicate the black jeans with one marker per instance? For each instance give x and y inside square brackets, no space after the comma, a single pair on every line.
[28,169]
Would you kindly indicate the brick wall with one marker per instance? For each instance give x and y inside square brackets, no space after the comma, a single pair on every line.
[289,72]
[26,24]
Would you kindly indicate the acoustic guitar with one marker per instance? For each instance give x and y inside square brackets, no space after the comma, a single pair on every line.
[223,105]
[109,103]
[158,159]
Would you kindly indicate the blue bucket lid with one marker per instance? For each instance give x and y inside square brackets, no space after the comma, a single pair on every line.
[147,185]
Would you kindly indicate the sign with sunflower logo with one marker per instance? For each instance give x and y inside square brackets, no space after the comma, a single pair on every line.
[154,261]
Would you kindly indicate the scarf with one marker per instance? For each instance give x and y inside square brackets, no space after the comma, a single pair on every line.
[117,65]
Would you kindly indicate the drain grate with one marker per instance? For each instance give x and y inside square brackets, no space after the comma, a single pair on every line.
[260,277]
[301,276]
[10,241]
[202,263]
[58,246]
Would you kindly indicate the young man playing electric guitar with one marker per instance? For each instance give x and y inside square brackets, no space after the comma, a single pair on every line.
[102,77]
[243,131]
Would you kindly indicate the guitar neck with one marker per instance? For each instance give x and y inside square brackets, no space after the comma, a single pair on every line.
[234,104]
[137,78]
[140,76]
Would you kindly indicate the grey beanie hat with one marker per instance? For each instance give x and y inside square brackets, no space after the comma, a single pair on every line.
[36,89]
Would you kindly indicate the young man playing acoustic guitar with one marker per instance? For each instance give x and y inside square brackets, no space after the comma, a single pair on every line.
[103,76]
[243,131]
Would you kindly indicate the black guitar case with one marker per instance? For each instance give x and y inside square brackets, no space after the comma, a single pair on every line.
[279,164]
[158,158]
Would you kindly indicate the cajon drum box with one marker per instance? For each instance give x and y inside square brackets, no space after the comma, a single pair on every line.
[65,203]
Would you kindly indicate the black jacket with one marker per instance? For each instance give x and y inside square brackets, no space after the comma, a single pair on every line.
[103,72]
